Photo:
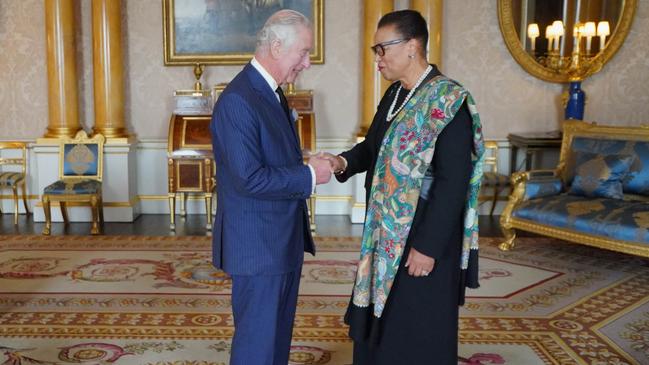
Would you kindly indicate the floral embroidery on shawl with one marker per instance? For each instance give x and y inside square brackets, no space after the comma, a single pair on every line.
[405,154]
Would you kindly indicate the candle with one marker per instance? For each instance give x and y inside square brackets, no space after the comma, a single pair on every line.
[549,34]
[557,25]
[603,29]
[532,33]
[589,32]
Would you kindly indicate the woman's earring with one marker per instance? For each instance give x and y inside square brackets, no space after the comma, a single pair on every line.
[411,56]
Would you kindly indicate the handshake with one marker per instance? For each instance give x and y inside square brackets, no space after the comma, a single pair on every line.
[324,164]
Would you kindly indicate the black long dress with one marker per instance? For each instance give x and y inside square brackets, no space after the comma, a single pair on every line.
[419,324]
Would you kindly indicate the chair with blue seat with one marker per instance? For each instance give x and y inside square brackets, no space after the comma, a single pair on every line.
[80,176]
[13,171]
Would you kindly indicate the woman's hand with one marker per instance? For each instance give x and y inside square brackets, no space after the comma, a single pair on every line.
[419,264]
[338,163]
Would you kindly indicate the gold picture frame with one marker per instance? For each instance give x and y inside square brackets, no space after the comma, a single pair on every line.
[222,32]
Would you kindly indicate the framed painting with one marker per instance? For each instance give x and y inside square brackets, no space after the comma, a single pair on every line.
[223,32]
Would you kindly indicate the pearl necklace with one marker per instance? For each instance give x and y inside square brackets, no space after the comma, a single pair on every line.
[391,115]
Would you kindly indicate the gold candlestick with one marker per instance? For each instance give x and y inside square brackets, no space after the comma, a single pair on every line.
[198,72]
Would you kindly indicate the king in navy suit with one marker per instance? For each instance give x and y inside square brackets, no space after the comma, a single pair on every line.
[261,228]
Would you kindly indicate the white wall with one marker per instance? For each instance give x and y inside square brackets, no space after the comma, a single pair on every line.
[473,53]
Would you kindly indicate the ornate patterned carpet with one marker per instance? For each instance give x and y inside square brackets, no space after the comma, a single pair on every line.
[157,300]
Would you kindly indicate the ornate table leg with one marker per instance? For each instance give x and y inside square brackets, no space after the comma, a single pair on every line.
[208,210]
[172,211]
[48,215]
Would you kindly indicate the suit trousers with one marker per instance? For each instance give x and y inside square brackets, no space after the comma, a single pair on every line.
[264,310]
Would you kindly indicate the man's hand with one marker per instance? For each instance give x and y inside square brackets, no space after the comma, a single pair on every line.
[419,264]
[322,168]
[338,164]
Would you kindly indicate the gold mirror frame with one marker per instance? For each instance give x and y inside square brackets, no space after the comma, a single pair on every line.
[508,31]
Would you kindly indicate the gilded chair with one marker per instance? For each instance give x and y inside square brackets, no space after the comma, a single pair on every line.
[15,174]
[497,182]
[80,176]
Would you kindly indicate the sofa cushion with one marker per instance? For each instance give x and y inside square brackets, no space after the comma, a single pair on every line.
[542,186]
[612,218]
[637,181]
[598,175]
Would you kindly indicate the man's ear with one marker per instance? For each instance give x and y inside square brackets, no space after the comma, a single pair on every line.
[276,48]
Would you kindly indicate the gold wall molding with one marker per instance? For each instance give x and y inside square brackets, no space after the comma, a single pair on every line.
[334,198]
[11,197]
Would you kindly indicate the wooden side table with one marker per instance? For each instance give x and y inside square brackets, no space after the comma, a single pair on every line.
[302,102]
[190,162]
[533,143]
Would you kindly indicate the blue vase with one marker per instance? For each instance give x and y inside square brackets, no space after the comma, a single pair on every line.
[576,101]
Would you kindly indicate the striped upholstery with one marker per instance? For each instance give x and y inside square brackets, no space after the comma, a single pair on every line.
[11,178]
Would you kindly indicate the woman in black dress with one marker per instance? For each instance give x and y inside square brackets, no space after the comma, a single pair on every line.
[417,323]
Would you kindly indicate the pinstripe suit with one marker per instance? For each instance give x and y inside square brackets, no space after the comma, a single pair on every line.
[261,227]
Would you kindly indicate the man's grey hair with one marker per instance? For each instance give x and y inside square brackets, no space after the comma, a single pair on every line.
[282,26]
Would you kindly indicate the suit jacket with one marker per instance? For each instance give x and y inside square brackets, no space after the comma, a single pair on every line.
[261,224]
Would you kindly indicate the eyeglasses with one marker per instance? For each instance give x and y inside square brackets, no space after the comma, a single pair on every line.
[379,48]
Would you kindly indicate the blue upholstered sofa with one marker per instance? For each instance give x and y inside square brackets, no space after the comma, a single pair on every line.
[598,195]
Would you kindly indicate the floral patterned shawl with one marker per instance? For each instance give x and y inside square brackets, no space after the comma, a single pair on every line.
[405,154]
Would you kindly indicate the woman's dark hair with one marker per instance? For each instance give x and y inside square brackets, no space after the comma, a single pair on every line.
[409,23]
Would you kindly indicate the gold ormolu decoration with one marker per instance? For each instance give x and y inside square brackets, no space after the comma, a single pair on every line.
[198,72]
[571,129]
[373,83]
[290,88]
[61,69]
[579,68]
[108,68]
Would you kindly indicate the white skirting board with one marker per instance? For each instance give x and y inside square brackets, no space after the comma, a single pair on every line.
[135,182]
